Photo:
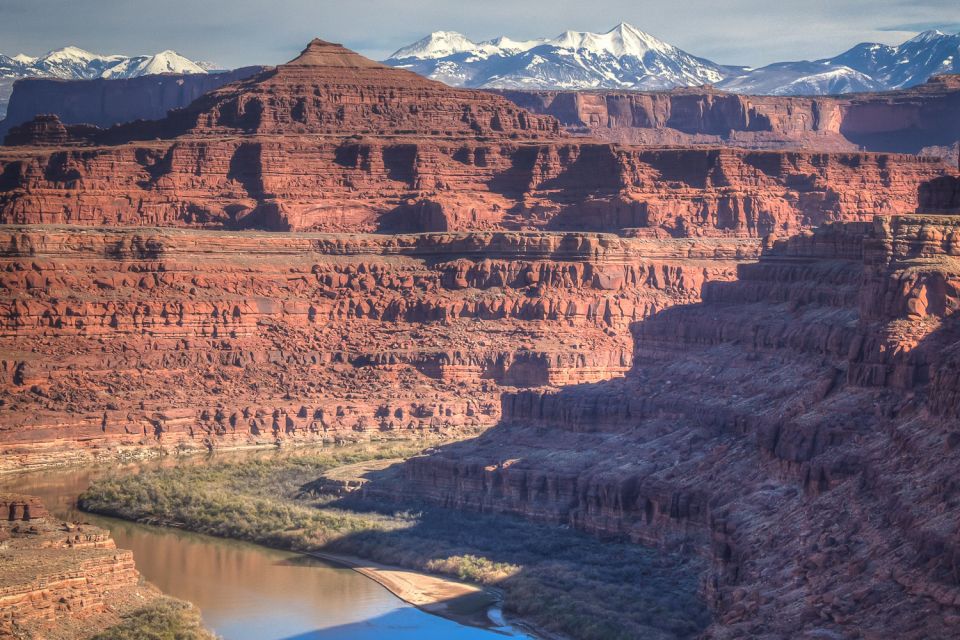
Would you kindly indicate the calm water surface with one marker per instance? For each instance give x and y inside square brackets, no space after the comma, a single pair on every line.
[248,592]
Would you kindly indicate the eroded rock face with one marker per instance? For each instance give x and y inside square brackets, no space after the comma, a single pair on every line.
[334,142]
[61,579]
[381,185]
[919,119]
[126,340]
[797,427]
[789,418]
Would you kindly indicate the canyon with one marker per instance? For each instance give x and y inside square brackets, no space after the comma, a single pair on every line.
[117,339]
[337,143]
[796,428]
[748,355]
[916,120]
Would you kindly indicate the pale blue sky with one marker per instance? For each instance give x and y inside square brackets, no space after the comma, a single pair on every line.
[240,32]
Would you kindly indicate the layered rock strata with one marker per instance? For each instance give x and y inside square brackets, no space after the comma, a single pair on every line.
[797,427]
[386,186]
[915,120]
[128,340]
[791,418]
[334,142]
[61,580]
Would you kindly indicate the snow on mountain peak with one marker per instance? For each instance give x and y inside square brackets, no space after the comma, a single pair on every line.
[70,54]
[170,62]
[627,58]
[505,44]
[623,40]
[927,36]
[438,44]
[164,62]
[74,63]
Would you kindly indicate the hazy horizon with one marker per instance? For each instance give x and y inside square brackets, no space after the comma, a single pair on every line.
[233,34]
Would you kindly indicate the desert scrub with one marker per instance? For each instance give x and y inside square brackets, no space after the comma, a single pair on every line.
[473,568]
[166,619]
[559,579]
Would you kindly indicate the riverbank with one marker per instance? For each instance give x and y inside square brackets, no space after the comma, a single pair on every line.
[439,595]
[561,581]
[251,591]
[19,459]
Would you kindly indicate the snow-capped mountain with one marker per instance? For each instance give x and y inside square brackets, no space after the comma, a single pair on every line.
[627,58]
[801,78]
[623,58]
[908,64]
[163,62]
[866,67]
[438,44]
[74,63]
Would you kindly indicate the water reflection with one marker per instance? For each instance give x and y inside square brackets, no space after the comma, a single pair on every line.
[246,592]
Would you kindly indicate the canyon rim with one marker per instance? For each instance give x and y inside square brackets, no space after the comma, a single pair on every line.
[461,330]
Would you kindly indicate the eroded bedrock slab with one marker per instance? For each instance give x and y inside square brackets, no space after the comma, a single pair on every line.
[798,427]
[332,141]
[122,340]
[61,579]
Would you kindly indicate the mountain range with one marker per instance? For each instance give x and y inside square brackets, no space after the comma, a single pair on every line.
[627,58]
[624,58]
[73,63]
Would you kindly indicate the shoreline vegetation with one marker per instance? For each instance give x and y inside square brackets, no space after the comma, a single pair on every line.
[164,619]
[553,580]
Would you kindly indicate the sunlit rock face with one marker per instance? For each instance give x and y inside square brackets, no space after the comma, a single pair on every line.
[334,142]
[649,343]
[62,579]
[143,338]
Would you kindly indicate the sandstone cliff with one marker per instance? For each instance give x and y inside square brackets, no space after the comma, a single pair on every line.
[61,580]
[334,142]
[797,428]
[792,418]
[130,340]
[919,119]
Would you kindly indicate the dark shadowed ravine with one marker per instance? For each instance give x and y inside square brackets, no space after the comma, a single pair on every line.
[249,592]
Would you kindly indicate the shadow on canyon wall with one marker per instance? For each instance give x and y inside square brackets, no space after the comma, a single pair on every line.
[941,195]
[576,582]
[773,411]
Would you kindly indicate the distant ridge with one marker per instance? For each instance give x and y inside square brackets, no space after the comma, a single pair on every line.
[628,58]
[74,63]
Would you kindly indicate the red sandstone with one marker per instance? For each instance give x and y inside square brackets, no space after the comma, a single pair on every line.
[796,428]
[126,338]
[920,119]
[792,419]
[334,142]
[61,580]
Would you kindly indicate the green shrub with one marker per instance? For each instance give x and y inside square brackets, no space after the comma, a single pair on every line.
[166,619]
[559,579]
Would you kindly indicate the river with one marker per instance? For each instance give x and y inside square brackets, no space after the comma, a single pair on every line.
[249,592]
